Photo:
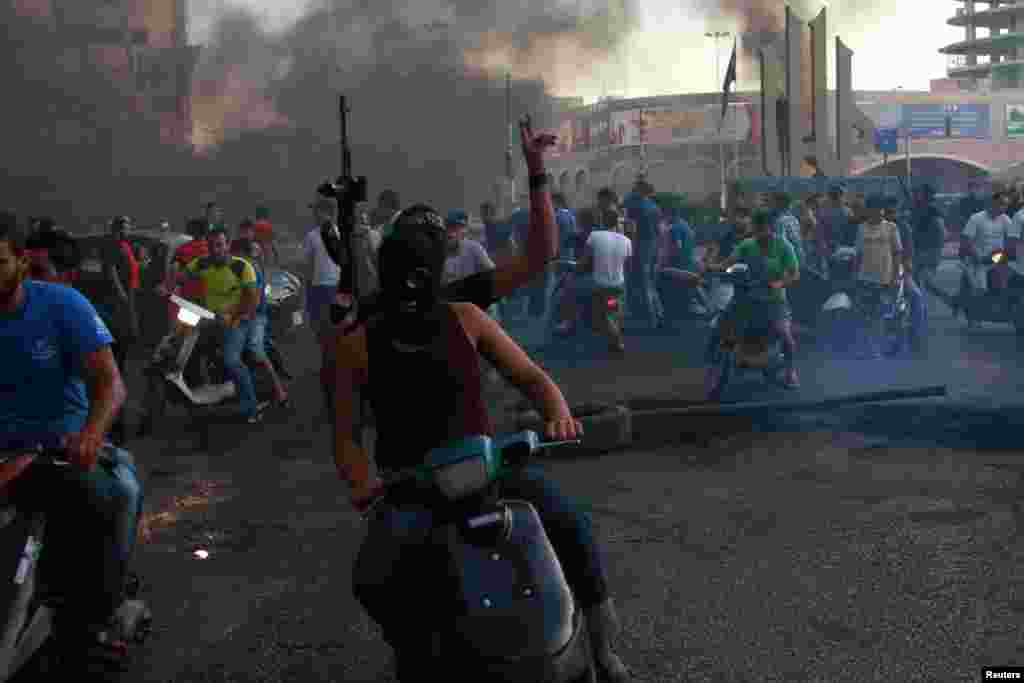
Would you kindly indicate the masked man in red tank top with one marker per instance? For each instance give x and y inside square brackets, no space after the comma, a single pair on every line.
[419,331]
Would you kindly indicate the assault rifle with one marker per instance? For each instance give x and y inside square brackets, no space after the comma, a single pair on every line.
[348,192]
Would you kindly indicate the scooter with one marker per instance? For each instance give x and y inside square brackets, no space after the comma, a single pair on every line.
[612,306]
[507,615]
[731,350]
[165,371]
[840,319]
[1001,304]
[30,608]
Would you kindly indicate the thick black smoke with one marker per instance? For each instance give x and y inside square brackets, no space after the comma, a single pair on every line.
[423,122]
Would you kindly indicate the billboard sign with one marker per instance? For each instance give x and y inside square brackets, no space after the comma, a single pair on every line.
[886,140]
[1015,120]
[947,120]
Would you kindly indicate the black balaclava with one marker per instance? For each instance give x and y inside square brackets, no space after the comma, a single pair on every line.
[411,266]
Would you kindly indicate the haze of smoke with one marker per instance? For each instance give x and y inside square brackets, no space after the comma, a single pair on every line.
[425,83]
[69,131]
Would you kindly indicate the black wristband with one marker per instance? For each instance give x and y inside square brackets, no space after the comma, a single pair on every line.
[538,182]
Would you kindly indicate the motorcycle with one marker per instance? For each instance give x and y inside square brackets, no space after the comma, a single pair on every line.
[1002,302]
[507,613]
[166,369]
[30,607]
[612,306]
[729,350]
[684,299]
[840,318]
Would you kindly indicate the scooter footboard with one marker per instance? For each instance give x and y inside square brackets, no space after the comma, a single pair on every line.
[516,618]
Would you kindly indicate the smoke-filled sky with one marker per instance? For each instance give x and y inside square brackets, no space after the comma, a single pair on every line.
[426,83]
[666,50]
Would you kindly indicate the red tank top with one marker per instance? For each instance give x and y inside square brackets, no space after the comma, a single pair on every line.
[425,398]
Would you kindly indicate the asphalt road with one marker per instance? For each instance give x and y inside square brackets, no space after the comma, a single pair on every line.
[875,543]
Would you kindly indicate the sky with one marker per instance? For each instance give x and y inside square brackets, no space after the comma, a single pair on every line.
[654,60]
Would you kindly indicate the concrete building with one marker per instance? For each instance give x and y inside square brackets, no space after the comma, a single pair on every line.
[992,58]
[143,43]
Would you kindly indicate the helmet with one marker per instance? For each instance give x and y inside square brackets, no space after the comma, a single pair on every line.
[411,258]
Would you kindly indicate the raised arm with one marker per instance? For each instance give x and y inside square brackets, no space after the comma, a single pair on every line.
[542,239]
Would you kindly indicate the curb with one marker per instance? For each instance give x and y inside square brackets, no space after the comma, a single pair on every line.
[618,427]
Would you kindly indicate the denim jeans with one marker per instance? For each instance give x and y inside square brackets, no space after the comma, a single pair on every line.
[388,576]
[540,290]
[91,528]
[640,285]
[236,339]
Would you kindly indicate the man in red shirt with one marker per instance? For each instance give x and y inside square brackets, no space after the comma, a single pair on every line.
[175,282]
[263,232]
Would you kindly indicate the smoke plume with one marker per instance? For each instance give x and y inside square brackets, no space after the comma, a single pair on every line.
[426,87]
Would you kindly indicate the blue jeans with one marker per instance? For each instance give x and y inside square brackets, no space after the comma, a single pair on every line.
[388,576]
[640,285]
[540,291]
[236,340]
[92,523]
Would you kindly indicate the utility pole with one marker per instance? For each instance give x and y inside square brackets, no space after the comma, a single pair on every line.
[718,74]
[508,125]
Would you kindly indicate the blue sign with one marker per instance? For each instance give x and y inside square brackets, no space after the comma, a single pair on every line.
[947,120]
[886,140]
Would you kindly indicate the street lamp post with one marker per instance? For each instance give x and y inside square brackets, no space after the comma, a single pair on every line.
[718,74]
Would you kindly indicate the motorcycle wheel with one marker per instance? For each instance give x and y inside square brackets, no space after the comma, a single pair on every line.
[838,329]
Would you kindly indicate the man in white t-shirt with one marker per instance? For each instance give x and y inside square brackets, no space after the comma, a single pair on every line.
[321,272]
[986,232]
[465,256]
[604,257]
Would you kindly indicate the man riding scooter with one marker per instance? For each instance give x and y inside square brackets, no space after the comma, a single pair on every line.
[986,233]
[601,279]
[772,260]
[232,293]
[59,380]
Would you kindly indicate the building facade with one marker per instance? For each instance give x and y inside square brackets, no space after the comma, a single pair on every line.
[991,55]
[143,44]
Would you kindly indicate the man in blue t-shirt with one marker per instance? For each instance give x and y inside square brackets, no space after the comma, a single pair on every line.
[645,215]
[60,387]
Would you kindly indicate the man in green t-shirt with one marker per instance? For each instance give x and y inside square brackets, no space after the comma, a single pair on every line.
[774,267]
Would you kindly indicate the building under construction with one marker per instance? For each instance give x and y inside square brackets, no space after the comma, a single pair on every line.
[995,59]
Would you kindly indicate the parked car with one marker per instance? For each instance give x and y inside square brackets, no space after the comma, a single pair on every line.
[155,250]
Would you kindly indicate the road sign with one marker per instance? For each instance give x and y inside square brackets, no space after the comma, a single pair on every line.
[886,140]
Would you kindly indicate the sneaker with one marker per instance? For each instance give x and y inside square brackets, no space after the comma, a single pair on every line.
[791,380]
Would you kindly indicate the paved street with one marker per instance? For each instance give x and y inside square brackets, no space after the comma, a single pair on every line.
[867,543]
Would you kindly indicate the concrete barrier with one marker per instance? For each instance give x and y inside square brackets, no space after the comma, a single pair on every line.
[662,422]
